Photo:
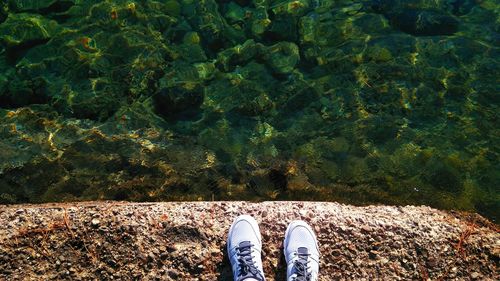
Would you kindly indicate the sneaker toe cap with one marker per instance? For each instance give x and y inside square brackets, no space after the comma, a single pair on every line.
[244,229]
[301,235]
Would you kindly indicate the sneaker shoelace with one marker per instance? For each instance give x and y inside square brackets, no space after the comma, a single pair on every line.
[301,265]
[246,262]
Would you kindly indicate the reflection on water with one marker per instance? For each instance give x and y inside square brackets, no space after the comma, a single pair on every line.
[385,101]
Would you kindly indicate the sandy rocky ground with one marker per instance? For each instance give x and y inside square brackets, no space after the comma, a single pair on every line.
[186,241]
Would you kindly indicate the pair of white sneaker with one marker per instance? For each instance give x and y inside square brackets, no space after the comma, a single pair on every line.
[244,246]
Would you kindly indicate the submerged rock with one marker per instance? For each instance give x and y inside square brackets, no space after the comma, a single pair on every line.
[178,103]
[461,7]
[30,5]
[20,93]
[282,57]
[3,13]
[417,17]
[423,22]
[22,29]
[44,6]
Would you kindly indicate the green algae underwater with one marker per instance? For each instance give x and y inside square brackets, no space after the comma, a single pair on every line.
[361,102]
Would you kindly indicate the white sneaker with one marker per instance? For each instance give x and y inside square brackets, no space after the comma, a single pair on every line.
[301,252]
[244,246]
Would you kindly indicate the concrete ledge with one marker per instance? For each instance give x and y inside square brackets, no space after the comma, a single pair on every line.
[186,241]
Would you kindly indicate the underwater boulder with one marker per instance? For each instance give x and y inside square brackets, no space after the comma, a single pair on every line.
[3,13]
[380,129]
[380,6]
[260,21]
[282,57]
[299,98]
[372,24]
[488,207]
[30,5]
[319,29]
[282,29]
[455,7]
[307,27]
[178,103]
[42,6]
[93,105]
[295,8]
[235,13]
[19,93]
[23,28]
[172,7]
[378,54]
[254,103]
[443,176]
[240,54]
[4,83]
[461,7]
[423,22]
[21,32]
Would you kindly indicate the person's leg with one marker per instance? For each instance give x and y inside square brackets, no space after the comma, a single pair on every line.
[301,252]
[244,245]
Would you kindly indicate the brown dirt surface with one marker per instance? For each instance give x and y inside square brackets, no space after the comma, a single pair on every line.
[186,241]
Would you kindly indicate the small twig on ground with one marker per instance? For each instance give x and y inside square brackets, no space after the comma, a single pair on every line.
[66,222]
[43,231]
[468,231]
[463,239]
[423,271]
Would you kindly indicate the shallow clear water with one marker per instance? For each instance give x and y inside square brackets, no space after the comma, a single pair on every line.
[388,101]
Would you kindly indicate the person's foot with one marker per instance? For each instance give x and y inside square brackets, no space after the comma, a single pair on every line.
[301,252]
[244,245]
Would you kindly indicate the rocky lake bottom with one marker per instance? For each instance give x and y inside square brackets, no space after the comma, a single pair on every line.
[361,102]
